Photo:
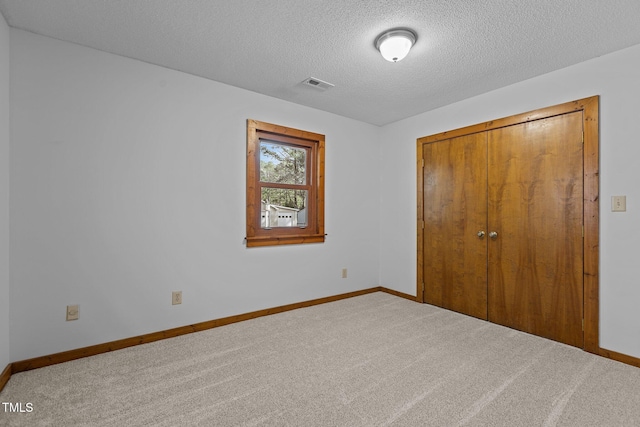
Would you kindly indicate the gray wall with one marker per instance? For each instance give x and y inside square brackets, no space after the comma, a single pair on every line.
[615,78]
[4,194]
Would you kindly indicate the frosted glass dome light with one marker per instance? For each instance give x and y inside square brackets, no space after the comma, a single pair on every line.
[394,45]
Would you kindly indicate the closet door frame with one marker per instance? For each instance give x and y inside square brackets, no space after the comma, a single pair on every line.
[590,117]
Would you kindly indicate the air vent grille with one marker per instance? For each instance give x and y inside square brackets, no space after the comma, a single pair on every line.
[317,83]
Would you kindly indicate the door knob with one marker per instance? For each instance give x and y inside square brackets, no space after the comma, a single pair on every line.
[480,234]
[493,235]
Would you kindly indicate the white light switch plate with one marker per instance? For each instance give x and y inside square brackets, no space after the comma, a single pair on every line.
[73,312]
[618,203]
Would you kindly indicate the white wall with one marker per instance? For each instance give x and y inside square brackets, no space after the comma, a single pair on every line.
[128,182]
[615,78]
[4,194]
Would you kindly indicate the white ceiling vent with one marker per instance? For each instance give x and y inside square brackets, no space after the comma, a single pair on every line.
[317,83]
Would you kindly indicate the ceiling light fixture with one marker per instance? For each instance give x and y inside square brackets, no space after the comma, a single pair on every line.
[394,45]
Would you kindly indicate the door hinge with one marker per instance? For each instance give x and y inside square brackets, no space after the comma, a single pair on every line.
[423,163]
[423,225]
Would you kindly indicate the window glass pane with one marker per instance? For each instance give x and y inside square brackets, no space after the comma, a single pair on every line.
[282,164]
[283,208]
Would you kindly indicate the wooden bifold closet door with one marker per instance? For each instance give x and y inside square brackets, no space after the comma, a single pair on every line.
[503,226]
[535,206]
[455,211]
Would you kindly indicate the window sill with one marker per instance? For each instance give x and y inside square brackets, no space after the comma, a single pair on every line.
[284,240]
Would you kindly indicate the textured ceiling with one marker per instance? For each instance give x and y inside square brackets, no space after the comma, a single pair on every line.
[464,47]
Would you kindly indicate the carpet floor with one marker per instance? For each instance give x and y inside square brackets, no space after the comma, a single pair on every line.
[373,360]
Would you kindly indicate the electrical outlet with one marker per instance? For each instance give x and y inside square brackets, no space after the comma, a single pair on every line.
[73,312]
[344,273]
[176,297]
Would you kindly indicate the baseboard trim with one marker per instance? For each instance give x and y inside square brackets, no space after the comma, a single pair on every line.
[613,355]
[399,294]
[66,356]
[5,375]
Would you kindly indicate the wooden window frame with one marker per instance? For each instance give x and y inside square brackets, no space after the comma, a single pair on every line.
[313,143]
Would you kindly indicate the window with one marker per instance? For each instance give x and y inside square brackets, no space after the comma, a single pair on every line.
[285,185]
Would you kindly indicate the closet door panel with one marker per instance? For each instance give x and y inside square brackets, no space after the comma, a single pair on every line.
[535,264]
[455,211]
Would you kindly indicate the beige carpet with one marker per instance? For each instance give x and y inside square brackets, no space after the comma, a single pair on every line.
[374,360]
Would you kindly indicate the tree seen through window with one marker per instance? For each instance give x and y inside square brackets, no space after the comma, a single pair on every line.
[283,164]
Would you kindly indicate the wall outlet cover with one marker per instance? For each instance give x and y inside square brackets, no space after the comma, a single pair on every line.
[176,297]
